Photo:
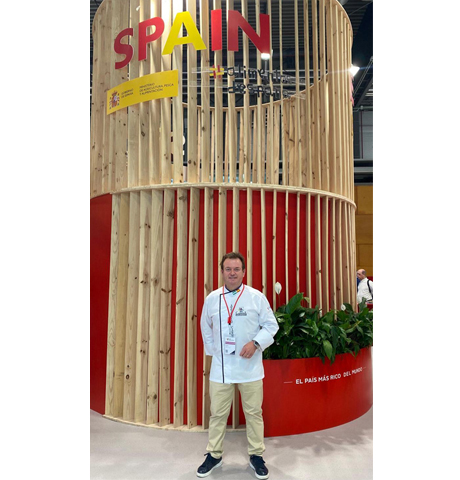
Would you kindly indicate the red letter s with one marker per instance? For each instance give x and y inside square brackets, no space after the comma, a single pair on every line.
[123,48]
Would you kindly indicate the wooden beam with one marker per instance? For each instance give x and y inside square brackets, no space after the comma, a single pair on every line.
[153,387]
[165,315]
[143,306]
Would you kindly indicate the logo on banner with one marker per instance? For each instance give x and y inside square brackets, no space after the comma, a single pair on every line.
[114,100]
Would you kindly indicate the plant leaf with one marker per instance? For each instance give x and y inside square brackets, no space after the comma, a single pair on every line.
[327,348]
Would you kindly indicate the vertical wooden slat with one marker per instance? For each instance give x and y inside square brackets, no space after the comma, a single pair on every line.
[246,167]
[255,146]
[316,164]
[222,228]
[240,164]
[345,257]
[271,161]
[282,109]
[114,75]
[263,144]
[154,54]
[192,313]
[226,150]
[93,120]
[120,318]
[325,252]
[308,236]
[98,112]
[306,164]
[332,77]
[347,103]
[348,40]
[105,60]
[259,177]
[319,284]
[181,307]
[165,142]
[354,265]
[143,307]
[340,127]
[333,264]
[286,116]
[178,123]
[219,114]
[249,238]
[274,255]
[236,219]
[339,223]
[165,312]
[111,329]
[343,95]
[264,241]
[324,107]
[286,249]
[205,95]
[292,141]
[208,288]
[144,108]
[192,137]
[231,112]
[297,242]
[351,269]
[131,307]
[156,231]
[276,143]
[212,169]
[298,137]
[133,110]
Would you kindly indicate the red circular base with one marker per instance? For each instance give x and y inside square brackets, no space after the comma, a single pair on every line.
[305,395]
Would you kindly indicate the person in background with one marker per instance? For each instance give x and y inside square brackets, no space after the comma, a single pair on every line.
[365,287]
[237,325]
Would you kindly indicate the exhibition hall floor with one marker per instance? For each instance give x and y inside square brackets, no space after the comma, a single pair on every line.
[126,452]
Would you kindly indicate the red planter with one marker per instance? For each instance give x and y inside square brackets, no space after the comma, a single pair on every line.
[305,395]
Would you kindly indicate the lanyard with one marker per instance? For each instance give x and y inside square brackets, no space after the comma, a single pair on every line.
[233,309]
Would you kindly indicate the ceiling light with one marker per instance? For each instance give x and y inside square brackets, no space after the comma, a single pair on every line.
[354,70]
[265,56]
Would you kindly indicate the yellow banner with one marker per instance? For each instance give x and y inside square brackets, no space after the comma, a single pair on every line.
[143,89]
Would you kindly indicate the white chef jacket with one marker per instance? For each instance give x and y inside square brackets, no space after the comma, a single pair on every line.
[252,319]
[363,290]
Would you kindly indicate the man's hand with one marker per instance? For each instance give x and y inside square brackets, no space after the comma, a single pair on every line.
[248,350]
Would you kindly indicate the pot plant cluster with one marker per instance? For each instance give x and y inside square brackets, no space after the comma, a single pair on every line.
[305,332]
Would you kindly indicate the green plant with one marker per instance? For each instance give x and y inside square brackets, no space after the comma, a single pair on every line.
[305,333]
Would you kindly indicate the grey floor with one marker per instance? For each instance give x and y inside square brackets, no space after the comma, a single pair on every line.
[125,452]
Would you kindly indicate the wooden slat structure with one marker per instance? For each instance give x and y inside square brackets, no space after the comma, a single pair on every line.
[270,176]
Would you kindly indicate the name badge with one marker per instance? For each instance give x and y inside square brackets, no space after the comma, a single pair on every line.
[230,346]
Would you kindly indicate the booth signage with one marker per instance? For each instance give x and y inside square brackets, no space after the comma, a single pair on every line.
[184,19]
[143,89]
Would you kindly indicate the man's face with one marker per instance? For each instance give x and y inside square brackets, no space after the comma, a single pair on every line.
[359,274]
[233,273]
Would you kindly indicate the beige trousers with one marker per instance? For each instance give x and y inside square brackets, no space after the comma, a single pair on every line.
[221,400]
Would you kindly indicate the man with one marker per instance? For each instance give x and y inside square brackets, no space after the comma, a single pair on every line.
[365,287]
[237,325]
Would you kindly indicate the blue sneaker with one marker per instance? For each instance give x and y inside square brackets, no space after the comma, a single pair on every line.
[258,464]
[208,465]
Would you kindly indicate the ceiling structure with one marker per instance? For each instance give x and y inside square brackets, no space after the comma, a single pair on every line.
[360,13]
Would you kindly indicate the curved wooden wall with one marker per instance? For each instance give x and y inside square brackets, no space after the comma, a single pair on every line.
[273,180]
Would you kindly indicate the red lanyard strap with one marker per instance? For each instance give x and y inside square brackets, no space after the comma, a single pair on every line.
[233,309]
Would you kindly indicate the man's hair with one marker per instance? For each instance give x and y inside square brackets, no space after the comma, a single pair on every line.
[232,256]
